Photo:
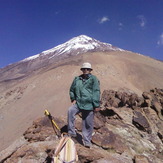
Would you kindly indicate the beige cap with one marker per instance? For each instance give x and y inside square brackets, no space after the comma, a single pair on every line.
[86,65]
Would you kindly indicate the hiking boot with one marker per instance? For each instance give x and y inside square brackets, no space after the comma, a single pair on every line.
[87,145]
[72,135]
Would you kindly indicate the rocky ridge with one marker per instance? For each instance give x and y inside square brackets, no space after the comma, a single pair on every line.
[128,129]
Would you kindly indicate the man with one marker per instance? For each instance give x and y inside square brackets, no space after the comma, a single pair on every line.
[85,98]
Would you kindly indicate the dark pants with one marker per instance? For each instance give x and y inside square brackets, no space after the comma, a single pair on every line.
[87,123]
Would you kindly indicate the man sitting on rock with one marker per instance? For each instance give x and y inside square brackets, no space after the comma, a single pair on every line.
[85,98]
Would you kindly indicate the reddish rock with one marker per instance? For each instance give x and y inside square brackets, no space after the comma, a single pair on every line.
[158,108]
[103,130]
[99,120]
[160,131]
[147,102]
[147,95]
[124,99]
[140,121]
[109,99]
[141,159]
[119,99]
[132,100]
[118,95]
[97,139]
[109,140]
[42,129]
[140,101]
[89,155]
[114,142]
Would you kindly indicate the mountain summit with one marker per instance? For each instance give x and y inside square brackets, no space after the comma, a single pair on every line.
[75,46]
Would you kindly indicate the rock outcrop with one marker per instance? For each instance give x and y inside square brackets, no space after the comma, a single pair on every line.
[128,129]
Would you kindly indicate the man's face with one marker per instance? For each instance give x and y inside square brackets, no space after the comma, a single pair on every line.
[86,70]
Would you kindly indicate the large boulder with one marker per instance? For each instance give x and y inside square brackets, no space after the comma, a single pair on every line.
[141,122]
[42,129]
[109,141]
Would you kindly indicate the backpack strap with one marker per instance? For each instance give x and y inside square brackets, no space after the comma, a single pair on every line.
[61,145]
[61,153]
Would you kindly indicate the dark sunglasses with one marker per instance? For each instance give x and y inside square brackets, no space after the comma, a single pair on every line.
[88,69]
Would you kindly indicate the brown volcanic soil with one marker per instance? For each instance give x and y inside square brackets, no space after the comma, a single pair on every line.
[24,100]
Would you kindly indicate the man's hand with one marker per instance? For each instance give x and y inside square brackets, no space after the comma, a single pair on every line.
[74,102]
[97,109]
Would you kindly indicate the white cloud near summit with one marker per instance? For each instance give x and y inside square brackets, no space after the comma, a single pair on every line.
[142,20]
[160,41]
[103,19]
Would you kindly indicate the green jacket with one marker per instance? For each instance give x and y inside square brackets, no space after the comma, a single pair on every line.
[86,92]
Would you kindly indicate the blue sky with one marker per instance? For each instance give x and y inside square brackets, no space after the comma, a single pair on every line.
[28,27]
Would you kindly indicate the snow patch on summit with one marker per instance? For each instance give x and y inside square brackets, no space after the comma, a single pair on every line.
[80,42]
[31,57]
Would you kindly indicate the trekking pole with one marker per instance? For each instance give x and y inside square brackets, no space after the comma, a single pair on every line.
[54,125]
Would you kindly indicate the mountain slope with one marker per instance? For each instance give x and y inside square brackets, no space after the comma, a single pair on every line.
[22,100]
[75,46]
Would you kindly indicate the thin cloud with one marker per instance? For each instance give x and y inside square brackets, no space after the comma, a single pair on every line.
[120,26]
[160,41]
[103,19]
[142,20]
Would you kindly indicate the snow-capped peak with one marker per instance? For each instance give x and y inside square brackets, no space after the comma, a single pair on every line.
[75,46]
[81,42]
